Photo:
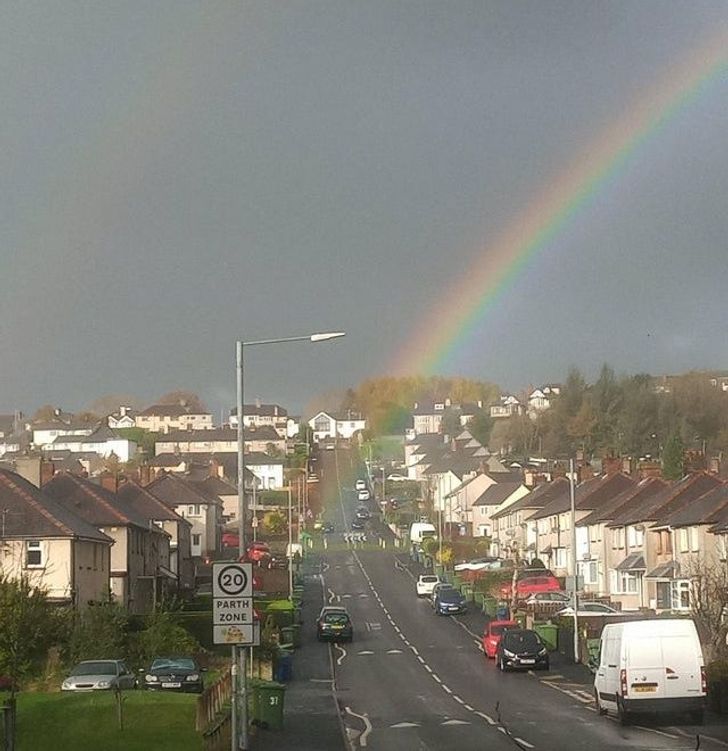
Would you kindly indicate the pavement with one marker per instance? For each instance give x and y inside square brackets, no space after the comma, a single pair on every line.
[311,716]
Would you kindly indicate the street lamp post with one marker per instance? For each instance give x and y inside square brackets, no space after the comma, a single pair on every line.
[240,723]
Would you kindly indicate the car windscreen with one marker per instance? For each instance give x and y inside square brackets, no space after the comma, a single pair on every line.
[95,668]
[449,595]
[181,664]
[498,630]
[521,641]
[336,619]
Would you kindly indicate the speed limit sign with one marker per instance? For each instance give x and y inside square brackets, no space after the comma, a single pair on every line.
[232,603]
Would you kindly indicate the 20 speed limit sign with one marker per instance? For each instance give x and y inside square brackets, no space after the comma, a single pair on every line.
[232,603]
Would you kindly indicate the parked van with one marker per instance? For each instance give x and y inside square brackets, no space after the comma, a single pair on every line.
[420,531]
[652,666]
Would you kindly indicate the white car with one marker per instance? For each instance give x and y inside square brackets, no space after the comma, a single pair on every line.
[99,675]
[361,485]
[364,495]
[395,477]
[425,584]
[478,564]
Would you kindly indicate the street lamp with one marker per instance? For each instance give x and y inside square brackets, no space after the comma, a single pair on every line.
[240,735]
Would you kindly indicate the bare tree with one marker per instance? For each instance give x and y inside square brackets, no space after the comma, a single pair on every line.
[709,601]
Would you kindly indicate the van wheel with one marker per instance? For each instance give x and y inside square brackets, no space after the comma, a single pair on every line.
[624,718]
[697,717]
[600,708]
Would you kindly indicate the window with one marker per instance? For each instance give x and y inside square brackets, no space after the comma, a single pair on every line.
[635,536]
[683,540]
[196,539]
[624,583]
[694,539]
[618,537]
[33,554]
[680,592]
[560,557]
[590,571]
[190,511]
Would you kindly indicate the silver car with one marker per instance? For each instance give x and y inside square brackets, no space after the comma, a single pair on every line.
[99,675]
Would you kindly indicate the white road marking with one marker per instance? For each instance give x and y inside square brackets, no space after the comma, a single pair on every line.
[437,678]
[427,667]
[486,717]
[367,726]
[458,699]
[468,707]
[365,652]
[343,653]
[394,652]
[522,742]
[406,725]
[455,722]
[446,688]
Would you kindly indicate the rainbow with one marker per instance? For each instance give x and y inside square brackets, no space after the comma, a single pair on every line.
[469,299]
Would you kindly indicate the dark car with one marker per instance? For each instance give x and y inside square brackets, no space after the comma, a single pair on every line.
[358,524]
[362,513]
[521,648]
[174,674]
[334,623]
[328,528]
[449,602]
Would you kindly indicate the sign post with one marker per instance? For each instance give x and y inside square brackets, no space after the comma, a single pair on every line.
[232,604]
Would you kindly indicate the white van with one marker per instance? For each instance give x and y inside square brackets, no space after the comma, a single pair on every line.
[420,531]
[650,666]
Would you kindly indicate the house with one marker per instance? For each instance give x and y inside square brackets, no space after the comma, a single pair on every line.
[45,432]
[135,554]
[102,441]
[164,418]
[540,399]
[268,470]
[199,509]
[427,416]
[220,441]
[507,406]
[336,425]
[512,534]
[262,415]
[226,493]
[124,417]
[148,506]
[57,550]
[496,496]
[553,521]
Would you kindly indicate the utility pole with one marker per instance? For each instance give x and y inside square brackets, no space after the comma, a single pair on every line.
[290,543]
[575,597]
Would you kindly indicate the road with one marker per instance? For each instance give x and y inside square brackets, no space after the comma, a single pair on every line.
[413,680]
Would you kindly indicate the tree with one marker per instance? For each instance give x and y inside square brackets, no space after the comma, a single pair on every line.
[481,427]
[185,399]
[45,413]
[97,632]
[709,602]
[275,522]
[28,627]
[673,458]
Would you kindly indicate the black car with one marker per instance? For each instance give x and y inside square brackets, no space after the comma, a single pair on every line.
[358,524]
[362,513]
[521,648]
[334,623]
[449,602]
[174,674]
[328,528]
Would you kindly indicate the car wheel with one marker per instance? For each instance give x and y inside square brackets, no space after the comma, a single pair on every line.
[501,665]
[697,717]
[600,709]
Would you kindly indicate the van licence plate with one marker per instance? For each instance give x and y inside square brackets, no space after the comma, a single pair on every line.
[644,689]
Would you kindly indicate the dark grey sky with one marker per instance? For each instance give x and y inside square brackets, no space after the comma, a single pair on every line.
[177,175]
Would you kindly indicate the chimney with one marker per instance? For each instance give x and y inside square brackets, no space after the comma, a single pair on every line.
[145,475]
[480,404]
[109,481]
[47,470]
[257,402]
[213,469]
[611,464]
[448,402]
[123,411]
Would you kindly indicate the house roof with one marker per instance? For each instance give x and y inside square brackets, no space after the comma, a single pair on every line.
[668,570]
[100,434]
[146,504]
[227,435]
[539,497]
[633,562]
[95,504]
[496,494]
[624,500]
[30,513]
[702,510]
[261,410]
[215,486]
[589,495]
[170,410]
[667,501]
[166,459]
[176,491]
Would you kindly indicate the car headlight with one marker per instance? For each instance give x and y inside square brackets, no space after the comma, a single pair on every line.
[149,678]
[67,684]
[508,653]
[193,677]
[104,684]
[542,652]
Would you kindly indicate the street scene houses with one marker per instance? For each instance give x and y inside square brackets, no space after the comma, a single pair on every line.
[336,425]
[165,418]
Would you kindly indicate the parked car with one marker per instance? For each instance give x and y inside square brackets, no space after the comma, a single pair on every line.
[334,623]
[361,485]
[425,584]
[477,564]
[589,608]
[358,524]
[450,602]
[541,598]
[174,674]
[521,648]
[543,581]
[328,527]
[651,666]
[230,539]
[99,675]
[364,495]
[396,477]
[257,552]
[362,513]
[492,636]
[437,588]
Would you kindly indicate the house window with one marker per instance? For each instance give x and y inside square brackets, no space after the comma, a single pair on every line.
[680,592]
[33,554]
[635,537]
[624,583]
[190,511]
[196,539]
[694,539]
[589,570]
[618,537]
[684,540]
[560,557]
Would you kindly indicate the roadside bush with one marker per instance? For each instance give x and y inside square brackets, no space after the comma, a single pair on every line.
[162,636]
[98,632]
[489,582]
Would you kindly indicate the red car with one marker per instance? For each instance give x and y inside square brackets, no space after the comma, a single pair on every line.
[492,635]
[529,583]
